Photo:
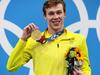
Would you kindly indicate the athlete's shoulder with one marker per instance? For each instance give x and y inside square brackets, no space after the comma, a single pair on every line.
[74,34]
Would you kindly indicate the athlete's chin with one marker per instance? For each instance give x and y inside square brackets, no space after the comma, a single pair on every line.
[57,27]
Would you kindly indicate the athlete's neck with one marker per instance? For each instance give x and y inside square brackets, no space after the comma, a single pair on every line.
[53,31]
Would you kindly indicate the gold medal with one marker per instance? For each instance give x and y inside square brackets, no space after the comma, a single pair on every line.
[36,34]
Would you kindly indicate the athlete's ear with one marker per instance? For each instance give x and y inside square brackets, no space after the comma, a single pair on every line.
[64,14]
[45,17]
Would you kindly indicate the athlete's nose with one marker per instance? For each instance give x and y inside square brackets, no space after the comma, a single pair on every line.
[55,16]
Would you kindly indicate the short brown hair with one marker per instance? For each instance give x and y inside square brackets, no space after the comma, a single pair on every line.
[51,3]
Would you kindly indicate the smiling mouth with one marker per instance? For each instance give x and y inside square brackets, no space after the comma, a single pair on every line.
[56,22]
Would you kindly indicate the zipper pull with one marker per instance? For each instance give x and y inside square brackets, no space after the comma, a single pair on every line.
[57,45]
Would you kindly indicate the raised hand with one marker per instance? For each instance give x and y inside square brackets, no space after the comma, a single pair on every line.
[28,31]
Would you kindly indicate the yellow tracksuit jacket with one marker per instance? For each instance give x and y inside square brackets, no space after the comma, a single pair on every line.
[48,58]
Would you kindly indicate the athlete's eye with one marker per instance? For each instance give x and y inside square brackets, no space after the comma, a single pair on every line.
[51,13]
[59,12]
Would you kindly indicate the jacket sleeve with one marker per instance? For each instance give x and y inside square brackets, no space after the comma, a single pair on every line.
[18,57]
[86,63]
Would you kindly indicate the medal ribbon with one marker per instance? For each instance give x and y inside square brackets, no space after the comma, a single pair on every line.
[44,40]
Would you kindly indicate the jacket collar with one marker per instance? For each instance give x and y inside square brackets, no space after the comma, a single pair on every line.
[67,35]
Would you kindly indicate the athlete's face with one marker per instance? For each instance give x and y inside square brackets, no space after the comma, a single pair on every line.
[55,17]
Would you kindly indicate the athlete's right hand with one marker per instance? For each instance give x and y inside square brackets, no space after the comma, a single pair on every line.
[28,30]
